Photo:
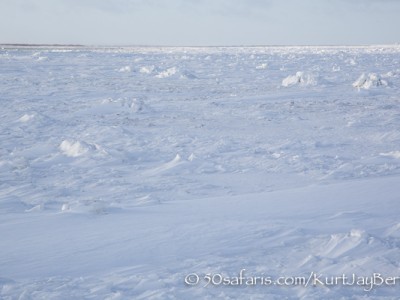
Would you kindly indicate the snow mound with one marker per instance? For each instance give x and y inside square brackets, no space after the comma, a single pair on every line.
[174,72]
[122,104]
[390,74]
[187,75]
[26,118]
[167,73]
[191,157]
[341,244]
[96,206]
[351,62]
[135,105]
[117,106]
[301,79]
[147,69]
[125,69]
[74,149]
[262,66]
[369,81]
[393,154]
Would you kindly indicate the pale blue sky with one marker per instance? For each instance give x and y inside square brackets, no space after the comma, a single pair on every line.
[200,22]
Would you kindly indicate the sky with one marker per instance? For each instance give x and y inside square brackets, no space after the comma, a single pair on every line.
[200,22]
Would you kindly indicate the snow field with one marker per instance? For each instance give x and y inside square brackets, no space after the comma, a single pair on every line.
[124,170]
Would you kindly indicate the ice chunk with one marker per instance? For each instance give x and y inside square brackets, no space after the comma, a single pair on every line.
[26,118]
[72,149]
[301,78]
[368,81]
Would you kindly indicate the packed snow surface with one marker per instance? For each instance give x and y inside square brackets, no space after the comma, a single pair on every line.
[168,173]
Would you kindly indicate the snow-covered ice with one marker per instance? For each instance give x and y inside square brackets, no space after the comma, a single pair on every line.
[299,79]
[369,81]
[126,171]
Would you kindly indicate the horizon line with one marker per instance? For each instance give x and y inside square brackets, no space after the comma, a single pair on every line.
[187,46]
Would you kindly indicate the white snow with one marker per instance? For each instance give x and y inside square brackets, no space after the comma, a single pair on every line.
[73,149]
[125,69]
[167,73]
[394,154]
[119,186]
[367,81]
[147,69]
[26,118]
[262,66]
[301,78]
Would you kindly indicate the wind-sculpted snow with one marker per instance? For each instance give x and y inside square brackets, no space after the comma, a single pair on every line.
[124,170]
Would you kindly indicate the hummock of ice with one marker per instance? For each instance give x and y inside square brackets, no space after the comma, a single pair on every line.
[167,73]
[301,78]
[26,118]
[147,69]
[125,69]
[174,72]
[73,149]
[369,81]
